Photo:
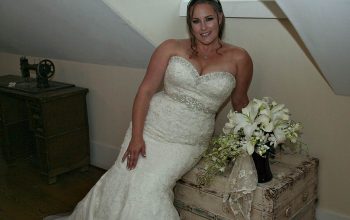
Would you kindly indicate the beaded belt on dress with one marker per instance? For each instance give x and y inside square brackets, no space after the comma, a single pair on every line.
[190,102]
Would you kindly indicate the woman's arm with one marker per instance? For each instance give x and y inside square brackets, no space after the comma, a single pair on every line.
[150,84]
[244,67]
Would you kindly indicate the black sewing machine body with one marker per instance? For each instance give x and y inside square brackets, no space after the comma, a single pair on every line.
[45,69]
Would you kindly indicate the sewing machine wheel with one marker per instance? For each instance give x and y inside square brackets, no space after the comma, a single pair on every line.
[45,68]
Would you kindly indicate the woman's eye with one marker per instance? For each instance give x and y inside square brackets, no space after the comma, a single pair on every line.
[195,21]
[209,19]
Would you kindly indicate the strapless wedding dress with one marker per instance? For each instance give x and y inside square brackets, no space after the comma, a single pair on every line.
[178,127]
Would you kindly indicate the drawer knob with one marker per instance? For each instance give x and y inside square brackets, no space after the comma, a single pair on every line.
[288,211]
[305,196]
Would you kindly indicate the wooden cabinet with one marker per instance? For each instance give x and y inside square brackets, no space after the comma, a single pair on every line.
[291,194]
[49,124]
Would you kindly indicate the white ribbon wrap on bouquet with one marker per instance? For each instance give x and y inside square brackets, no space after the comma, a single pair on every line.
[240,186]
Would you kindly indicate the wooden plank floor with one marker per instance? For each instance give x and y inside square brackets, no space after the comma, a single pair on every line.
[25,195]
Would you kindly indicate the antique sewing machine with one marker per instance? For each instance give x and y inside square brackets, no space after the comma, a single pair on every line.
[45,69]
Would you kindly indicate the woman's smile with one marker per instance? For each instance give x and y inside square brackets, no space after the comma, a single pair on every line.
[205,24]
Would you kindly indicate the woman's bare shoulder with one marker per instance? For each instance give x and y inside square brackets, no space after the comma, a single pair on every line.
[235,52]
[240,59]
[173,46]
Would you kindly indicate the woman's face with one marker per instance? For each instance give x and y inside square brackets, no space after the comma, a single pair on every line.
[205,24]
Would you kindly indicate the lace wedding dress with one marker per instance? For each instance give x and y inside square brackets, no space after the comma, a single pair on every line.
[178,126]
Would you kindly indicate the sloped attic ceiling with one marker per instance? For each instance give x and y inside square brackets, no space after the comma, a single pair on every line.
[80,30]
[324,27]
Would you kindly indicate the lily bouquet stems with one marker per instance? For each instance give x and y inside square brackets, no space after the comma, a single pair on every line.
[260,127]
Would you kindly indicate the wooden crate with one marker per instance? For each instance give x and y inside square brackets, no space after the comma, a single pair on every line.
[291,194]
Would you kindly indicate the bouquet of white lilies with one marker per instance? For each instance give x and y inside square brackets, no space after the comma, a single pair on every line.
[260,127]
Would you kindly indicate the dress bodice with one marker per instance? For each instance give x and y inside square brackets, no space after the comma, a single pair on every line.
[184,112]
[206,92]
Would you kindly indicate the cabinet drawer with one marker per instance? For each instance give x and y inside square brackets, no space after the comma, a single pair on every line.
[13,110]
[63,151]
[58,116]
[63,115]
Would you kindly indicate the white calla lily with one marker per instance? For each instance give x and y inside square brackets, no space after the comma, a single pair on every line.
[263,119]
[277,108]
[231,114]
[272,140]
[248,109]
[228,127]
[241,121]
[268,127]
[281,115]
[249,129]
[249,147]
[266,112]
[279,135]
[258,103]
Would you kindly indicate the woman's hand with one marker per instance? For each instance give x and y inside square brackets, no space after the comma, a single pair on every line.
[136,147]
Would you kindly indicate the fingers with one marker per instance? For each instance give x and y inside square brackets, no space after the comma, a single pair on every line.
[132,153]
[143,151]
[132,161]
[132,158]
[125,155]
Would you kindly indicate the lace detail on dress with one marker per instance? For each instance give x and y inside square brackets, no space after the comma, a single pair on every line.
[172,121]
[191,103]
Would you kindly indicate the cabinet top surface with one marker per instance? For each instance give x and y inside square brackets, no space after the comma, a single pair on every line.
[16,85]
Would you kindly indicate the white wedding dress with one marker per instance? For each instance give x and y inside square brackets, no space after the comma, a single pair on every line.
[179,124]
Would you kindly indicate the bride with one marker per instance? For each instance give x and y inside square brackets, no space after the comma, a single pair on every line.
[170,129]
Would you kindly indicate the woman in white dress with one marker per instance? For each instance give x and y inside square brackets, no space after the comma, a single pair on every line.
[172,127]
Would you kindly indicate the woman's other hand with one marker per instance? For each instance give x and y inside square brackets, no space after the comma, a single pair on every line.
[136,147]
